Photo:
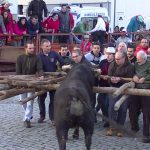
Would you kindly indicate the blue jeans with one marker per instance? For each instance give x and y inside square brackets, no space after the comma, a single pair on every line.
[120,115]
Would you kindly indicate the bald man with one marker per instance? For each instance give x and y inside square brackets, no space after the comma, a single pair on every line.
[117,69]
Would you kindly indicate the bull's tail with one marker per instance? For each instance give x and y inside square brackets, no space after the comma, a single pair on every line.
[78,101]
[76,107]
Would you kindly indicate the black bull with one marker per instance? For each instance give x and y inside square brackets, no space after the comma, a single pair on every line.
[73,105]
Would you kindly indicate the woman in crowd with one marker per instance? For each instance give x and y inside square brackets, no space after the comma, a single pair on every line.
[20,28]
[51,25]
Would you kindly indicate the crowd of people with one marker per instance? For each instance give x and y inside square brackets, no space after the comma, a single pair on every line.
[119,60]
[125,61]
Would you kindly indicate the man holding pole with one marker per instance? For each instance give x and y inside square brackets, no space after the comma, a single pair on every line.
[142,74]
[28,64]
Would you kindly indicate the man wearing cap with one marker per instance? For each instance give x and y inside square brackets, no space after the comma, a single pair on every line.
[5,7]
[85,42]
[123,38]
[102,99]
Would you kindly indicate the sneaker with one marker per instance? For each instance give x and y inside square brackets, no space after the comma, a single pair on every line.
[119,134]
[40,120]
[110,132]
[27,124]
[146,139]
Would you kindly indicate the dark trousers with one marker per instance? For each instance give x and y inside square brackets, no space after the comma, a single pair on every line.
[120,115]
[41,102]
[102,103]
[99,36]
[142,102]
[145,104]
[134,111]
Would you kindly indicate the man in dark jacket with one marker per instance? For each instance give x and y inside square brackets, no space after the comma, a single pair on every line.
[28,64]
[102,99]
[33,26]
[117,69]
[49,60]
[36,7]
[65,23]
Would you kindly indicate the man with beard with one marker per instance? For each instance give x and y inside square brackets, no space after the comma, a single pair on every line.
[28,64]
[130,53]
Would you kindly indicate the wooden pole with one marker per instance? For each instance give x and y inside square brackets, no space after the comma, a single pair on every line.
[129,91]
[120,102]
[120,90]
[32,97]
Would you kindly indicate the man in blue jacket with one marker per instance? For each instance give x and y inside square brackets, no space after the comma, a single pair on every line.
[49,60]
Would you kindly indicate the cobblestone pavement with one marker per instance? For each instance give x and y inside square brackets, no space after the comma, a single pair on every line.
[13,136]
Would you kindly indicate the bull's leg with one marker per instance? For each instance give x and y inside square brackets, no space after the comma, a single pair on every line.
[88,136]
[62,138]
[76,133]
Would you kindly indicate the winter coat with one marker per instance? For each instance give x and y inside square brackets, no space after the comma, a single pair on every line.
[36,7]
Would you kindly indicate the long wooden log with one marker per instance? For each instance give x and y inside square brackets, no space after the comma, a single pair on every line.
[4,87]
[31,97]
[120,90]
[120,102]
[129,91]
[14,92]
[41,82]
[125,79]
[3,81]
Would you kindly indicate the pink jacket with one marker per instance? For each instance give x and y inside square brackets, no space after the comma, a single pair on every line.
[18,30]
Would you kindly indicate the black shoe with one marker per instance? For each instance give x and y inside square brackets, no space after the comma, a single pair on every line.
[27,124]
[135,129]
[41,120]
[146,139]
[106,125]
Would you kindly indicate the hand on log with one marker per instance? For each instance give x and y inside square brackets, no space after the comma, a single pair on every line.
[120,102]
[31,97]
[125,79]
[120,90]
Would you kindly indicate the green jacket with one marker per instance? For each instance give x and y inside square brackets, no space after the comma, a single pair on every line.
[81,28]
[143,71]
[28,64]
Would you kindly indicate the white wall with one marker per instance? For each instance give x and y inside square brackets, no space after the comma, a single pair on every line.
[25,2]
[129,8]
[14,7]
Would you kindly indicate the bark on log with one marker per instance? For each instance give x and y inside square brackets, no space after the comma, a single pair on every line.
[129,91]
[14,92]
[4,87]
[120,102]
[41,82]
[31,97]
[56,73]
[3,81]
[120,90]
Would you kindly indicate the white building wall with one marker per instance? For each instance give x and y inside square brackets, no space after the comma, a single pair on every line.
[25,2]
[124,10]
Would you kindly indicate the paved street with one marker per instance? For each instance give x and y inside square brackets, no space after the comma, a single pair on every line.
[13,136]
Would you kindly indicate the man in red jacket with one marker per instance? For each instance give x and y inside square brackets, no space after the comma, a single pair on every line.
[143,46]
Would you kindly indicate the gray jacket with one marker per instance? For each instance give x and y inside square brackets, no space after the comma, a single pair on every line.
[2,26]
